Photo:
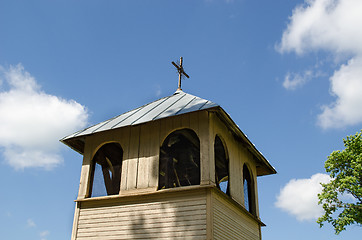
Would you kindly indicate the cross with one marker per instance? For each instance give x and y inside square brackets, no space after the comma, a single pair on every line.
[181,71]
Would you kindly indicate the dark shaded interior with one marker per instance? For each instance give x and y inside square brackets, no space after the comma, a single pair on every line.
[106,170]
[180,160]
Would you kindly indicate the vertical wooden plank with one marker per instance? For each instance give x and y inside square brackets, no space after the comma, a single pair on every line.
[163,130]
[194,125]
[125,136]
[259,232]
[176,123]
[255,190]
[209,214]
[169,126]
[75,221]
[133,158]
[86,169]
[204,147]
[235,172]
[154,151]
[84,181]
[194,122]
[144,149]
[185,120]
[240,188]
[212,134]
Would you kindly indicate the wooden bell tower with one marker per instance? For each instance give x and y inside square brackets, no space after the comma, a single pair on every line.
[176,168]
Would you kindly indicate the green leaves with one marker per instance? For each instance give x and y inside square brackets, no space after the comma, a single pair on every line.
[345,169]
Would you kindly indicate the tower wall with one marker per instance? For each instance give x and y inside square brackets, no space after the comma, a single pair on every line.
[238,156]
[140,211]
[196,212]
[171,215]
[230,221]
[141,146]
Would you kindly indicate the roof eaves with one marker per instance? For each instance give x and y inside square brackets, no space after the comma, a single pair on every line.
[240,133]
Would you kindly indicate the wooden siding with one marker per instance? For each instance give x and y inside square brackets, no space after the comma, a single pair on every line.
[141,147]
[238,156]
[230,222]
[161,217]
[142,212]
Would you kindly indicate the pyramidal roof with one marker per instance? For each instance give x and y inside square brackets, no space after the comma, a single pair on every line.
[176,104]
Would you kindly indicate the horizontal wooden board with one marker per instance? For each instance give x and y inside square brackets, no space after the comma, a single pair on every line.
[231,223]
[119,212]
[183,216]
[194,235]
[189,201]
[141,224]
[137,230]
[162,218]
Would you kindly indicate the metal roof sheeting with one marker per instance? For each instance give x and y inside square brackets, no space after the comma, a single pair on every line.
[176,104]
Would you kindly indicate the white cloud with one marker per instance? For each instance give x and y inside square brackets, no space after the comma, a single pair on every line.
[294,80]
[158,90]
[299,197]
[333,26]
[346,84]
[32,121]
[44,234]
[30,223]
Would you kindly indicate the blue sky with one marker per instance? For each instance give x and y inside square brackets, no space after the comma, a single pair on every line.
[287,71]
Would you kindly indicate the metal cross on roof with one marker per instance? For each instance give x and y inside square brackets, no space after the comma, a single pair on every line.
[181,71]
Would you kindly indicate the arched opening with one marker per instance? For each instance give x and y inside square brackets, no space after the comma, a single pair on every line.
[249,195]
[221,166]
[179,160]
[106,170]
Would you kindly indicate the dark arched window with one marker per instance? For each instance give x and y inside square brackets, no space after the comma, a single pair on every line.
[106,170]
[180,160]
[249,197]
[221,166]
